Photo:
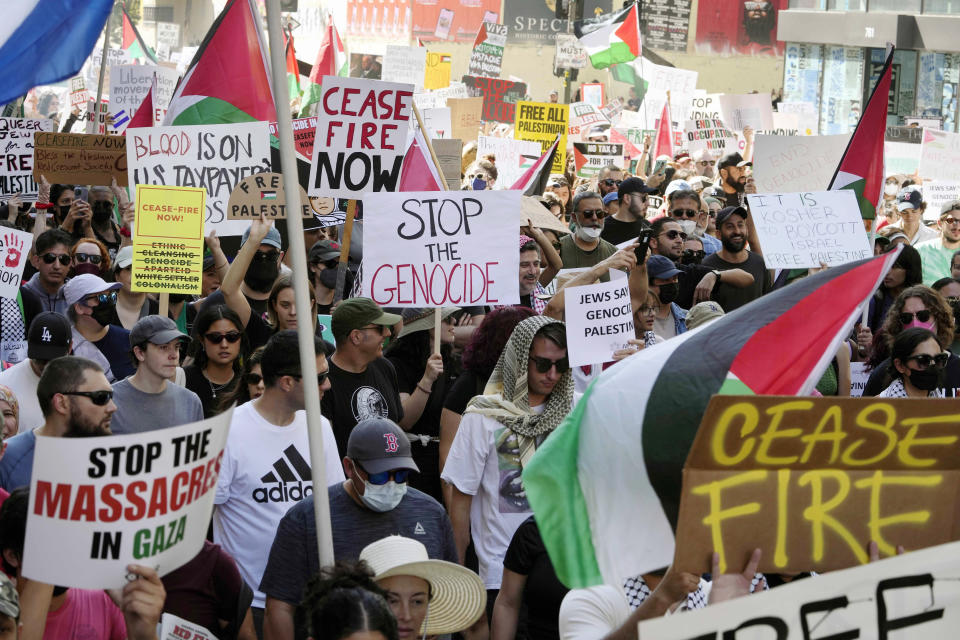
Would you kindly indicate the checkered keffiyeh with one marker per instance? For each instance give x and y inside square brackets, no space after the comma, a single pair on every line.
[896,390]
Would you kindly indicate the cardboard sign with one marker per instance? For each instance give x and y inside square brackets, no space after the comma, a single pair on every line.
[362,137]
[168,239]
[14,247]
[500,97]
[792,163]
[591,157]
[487,56]
[542,122]
[465,117]
[812,480]
[214,156]
[570,53]
[803,230]
[939,155]
[749,110]
[405,64]
[16,161]
[709,134]
[909,596]
[430,249]
[599,319]
[513,157]
[101,503]
[449,153]
[436,73]
[78,158]
[264,193]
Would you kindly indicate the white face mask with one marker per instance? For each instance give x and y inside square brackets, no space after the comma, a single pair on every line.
[688,226]
[588,233]
[383,497]
[891,189]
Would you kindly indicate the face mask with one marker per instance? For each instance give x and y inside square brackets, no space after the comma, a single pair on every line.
[929,325]
[102,211]
[688,226]
[103,313]
[179,297]
[926,380]
[669,292]
[86,267]
[261,275]
[890,189]
[588,233]
[383,497]
[328,278]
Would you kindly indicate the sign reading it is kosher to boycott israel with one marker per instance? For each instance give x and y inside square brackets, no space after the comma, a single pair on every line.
[361,137]
[98,504]
[168,239]
[435,249]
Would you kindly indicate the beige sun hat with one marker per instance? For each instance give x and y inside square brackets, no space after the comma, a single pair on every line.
[417,319]
[458,597]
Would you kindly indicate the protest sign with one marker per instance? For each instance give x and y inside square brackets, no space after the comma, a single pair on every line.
[592,92]
[362,135]
[304,132]
[807,116]
[591,157]
[812,480]
[795,163]
[908,135]
[168,33]
[542,122]
[748,110]
[859,374]
[168,239]
[214,156]
[803,230]
[938,193]
[436,73]
[666,24]
[91,69]
[430,249]
[909,596]
[709,134]
[612,110]
[405,64]
[78,92]
[705,107]
[16,161]
[130,83]
[784,124]
[465,117]
[101,503]
[437,98]
[570,53]
[487,55]
[436,122]
[176,628]
[599,319]
[513,157]
[584,117]
[78,158]
[448,155]
[263,193]
[14,248]
[901,157]
[939,155]
[680,83]
[500,97]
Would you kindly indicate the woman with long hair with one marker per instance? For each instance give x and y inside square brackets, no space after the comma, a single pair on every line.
[251,383]
[282,307]
[218,348]
[89,255]
[905,272]
[343,602]
[917,361]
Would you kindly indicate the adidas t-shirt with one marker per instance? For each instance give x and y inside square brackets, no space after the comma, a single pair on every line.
[265,470]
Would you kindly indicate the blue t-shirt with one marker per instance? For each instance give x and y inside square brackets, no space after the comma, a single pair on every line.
[17,462]
[115,347]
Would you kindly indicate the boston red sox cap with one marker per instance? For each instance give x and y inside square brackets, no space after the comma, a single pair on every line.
[379,445]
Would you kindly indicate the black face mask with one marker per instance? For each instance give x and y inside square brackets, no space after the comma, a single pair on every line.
[103,313]
[669,292]
[927,380]
[328,278]
[176,298]
[102,211]
[261,275]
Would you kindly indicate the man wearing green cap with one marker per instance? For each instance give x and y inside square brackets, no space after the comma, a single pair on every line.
[363,382]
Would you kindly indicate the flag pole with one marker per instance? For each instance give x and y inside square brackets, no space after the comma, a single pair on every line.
[103,65]
[305,334]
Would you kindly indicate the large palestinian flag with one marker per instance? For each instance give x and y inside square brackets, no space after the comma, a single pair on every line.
[611,38]
[605,486]
[227,81]
[133,43]
[861,167]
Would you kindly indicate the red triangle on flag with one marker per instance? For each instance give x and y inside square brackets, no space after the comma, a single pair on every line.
[143,117]
[481,35]
[579,159]
[629,31]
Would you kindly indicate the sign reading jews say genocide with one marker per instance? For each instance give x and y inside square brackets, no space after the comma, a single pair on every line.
[168,239]
[16,155]
[542,122]
[436,249]
[98,504]
[79,158]
[599,320]
[811,481]
[803,230]
[361,137]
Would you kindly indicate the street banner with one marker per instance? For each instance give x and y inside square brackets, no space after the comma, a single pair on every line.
[168,240]
[542,122]
[16,162]
[599,321]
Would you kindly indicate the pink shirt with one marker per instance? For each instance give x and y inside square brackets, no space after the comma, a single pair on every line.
[86,615]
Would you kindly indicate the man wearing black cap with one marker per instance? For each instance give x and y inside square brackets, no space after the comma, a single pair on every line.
[49,338]
[374,502]
[323,258]
[733,174]
[664,277]
[630,218]
[733,229]
[147,400]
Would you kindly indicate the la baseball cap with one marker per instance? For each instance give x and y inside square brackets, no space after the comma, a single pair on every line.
[378,445]
[49,336]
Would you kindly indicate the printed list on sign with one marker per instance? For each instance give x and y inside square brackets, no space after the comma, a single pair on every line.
[168,243]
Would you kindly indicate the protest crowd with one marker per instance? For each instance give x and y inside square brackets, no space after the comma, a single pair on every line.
[649,265]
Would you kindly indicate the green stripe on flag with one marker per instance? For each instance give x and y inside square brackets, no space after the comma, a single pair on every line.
[211,111]
[616,52]
[733,386]
[565,530]
[867,210]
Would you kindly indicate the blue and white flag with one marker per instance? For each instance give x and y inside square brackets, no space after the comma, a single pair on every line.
[45,41]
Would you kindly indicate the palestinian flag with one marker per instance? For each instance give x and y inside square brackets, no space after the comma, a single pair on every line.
[132,43]
[227,81]
[663,146]
[331,61]
[611,38]
[293,71]
[605,486]
[861,167]
[534,180]
[628,72]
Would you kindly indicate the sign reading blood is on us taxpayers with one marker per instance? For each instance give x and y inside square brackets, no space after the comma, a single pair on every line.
[361,137]
[16,159]
[599,321]
[436,249]
[168,239]
[98,504]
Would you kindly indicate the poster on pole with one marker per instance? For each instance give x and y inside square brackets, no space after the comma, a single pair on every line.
[570,53]
[361,137]
[435,249]
[79,158]
[542,122]
[142,498]
[16,162]
[599,320]
[500,97]
[709,134]
[513,157]
[486,58]
[436,73]
[214,156]
[783,164]
[807,229]
[405,64]
[168,239]
[591,157]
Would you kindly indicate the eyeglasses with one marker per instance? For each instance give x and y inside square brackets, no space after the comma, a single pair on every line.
[924,360]
[906,317]
[98,398]
[673,234]
[610,182]
[399,476]
[216,337]
[266,256]
[88,257]
[108,297]
[950,220]
[543,364]
[321,377]
[679,213]
[649,311]
[50,258]
[254,378]
[594,213]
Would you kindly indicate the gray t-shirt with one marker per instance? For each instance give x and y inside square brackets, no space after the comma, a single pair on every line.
[294,558]
[138,411]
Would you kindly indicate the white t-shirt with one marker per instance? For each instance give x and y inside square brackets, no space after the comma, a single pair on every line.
[265,470]
[23,382]
[484,462]
[592,613]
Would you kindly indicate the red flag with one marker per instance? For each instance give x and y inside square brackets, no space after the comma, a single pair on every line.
[417,173]
[144,114]
[534,180]
[664,143]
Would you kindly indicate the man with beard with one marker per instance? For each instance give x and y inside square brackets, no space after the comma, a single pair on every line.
[732,224]
[528,395]
[937,254]
[76,400]
[93,304]
[584,247]
[630,218]
[758,21]
[732,171]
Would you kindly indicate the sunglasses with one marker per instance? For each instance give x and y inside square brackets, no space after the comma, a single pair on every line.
[399,476]
[321,377]
[110,297]
[594,213]
[906,317]
[610,182]
[693,253]
[265,256]
[216,337]
[544,364]
[673,234]
[680,213]
[924,360]
[328,264]
[98,398]
[87,257]
[254,378]
[50,258]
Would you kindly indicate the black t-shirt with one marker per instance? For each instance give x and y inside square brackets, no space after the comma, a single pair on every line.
[543,592]
[688,281]
[735,199]
[615,231]
[730,297]
[467,385]
[257,329]
[356,396]
[879,378]
[209,397]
